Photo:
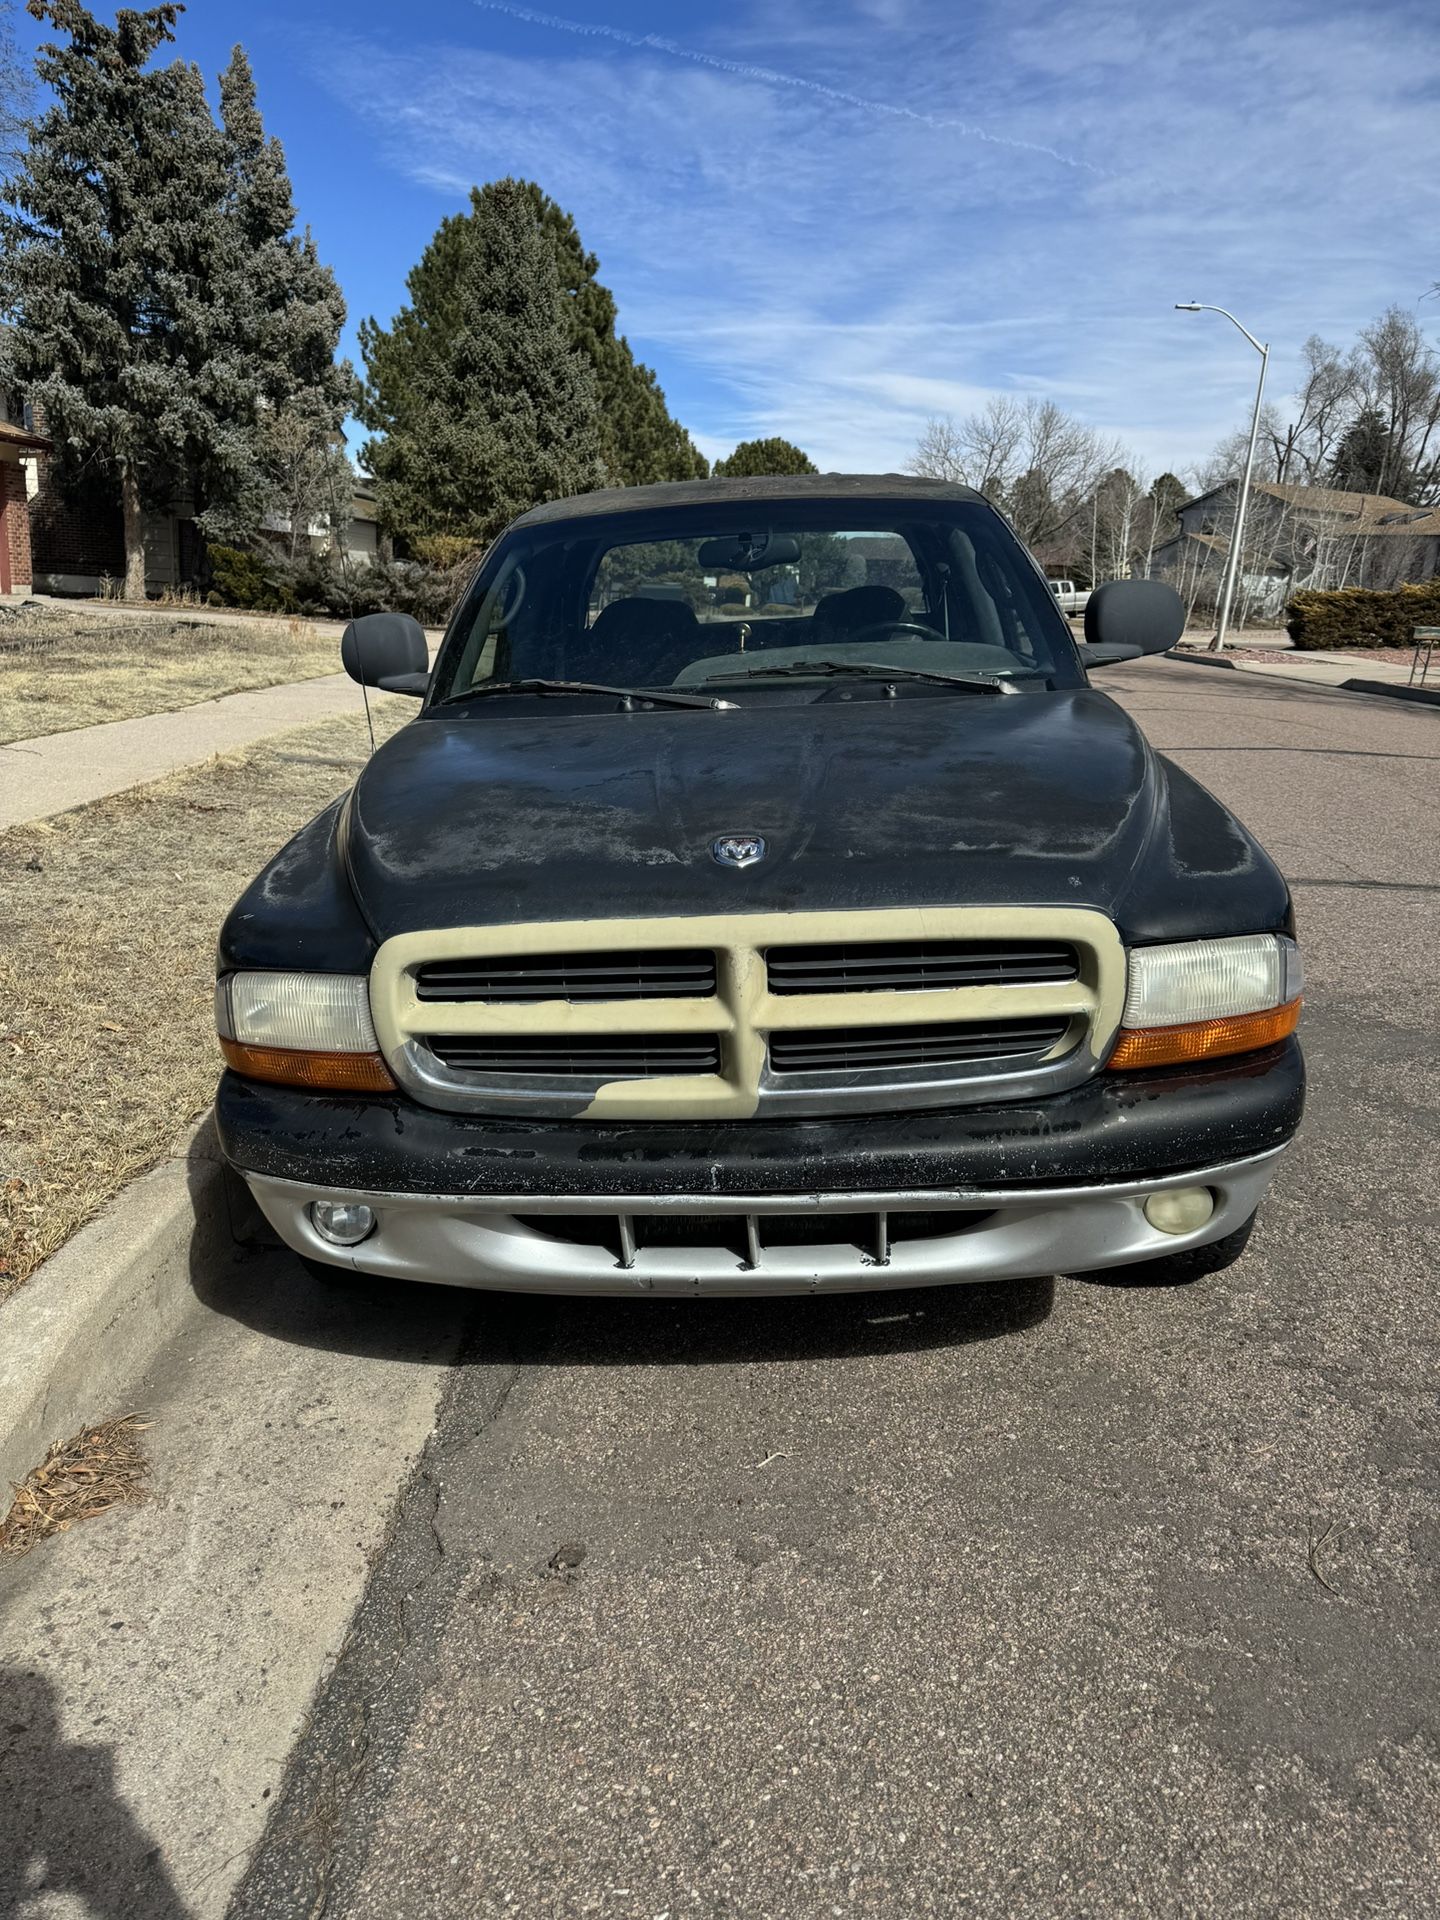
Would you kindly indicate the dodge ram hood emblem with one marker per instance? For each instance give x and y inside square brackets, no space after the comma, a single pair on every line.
[738,849]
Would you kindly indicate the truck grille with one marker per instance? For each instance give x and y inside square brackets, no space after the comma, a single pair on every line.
[738,1015]
[679,974]
[894,965]
[851,1049]
[609,1056]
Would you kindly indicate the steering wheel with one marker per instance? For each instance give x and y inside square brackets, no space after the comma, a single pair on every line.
[890,628]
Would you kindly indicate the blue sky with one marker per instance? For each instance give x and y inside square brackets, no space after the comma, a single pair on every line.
[830,218]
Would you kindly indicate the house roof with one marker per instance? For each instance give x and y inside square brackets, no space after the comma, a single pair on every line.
[1367,510]
[12,435]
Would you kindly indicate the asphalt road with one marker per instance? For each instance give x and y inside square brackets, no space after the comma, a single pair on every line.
[1068,1599]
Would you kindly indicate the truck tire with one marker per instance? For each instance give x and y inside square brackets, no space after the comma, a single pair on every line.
[1180,1269]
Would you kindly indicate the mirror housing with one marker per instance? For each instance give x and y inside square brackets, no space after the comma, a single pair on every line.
[1126,619]
[388,651]
[748,552]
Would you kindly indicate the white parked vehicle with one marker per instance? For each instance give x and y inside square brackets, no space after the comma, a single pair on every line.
[1068,597]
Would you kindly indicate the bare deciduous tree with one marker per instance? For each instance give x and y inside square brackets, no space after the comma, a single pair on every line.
[1399,377]
[1037,463]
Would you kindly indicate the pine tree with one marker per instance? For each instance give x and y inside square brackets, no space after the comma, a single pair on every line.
[286,313]
[758,459]
[639,440]
[1368,460]
[104,248]
[162,309]
[499,409]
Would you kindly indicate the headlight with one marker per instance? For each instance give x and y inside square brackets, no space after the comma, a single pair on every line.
[301,1030]
[1202,999]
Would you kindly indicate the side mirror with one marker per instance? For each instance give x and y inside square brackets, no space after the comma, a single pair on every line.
[387,650]
[1125,619]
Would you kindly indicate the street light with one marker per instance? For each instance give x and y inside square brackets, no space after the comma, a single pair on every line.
[1233,561]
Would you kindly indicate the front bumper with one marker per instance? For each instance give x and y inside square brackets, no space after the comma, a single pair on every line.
[1052,1185]
[798,1243]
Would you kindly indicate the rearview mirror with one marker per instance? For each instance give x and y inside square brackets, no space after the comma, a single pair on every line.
[387,650]
[1125,619]
[748,552]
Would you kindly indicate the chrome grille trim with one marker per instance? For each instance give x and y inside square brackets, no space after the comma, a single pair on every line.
[743,1013]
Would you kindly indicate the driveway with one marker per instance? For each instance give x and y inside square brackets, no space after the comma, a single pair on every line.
[1065,1599]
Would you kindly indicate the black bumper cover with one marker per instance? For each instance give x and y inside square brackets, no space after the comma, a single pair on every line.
[1117,1127]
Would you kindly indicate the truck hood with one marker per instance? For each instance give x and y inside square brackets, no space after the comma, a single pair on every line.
[483,816]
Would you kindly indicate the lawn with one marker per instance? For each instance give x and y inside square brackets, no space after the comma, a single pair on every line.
[64,667]
[107,952]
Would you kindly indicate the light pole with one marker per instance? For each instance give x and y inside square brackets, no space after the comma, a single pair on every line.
[1233,560]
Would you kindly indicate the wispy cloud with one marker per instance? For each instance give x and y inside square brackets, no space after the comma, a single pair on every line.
[768,76]
[795,256]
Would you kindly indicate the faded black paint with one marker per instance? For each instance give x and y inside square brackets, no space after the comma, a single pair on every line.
[522,810]
[1116,1127]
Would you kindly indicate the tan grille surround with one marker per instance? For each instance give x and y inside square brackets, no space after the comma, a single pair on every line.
[743,1012]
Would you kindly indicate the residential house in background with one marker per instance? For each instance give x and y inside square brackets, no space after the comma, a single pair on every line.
[78,539]
[1298,537]
[21,448]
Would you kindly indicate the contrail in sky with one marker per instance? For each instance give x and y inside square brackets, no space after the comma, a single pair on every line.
[655,43]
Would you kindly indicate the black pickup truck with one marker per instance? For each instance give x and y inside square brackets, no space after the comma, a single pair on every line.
[763,900]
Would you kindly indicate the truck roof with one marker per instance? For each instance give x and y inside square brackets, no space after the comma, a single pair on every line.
[702,493]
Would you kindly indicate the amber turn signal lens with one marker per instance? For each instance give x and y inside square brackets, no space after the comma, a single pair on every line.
[1203,1039]
[319,1072]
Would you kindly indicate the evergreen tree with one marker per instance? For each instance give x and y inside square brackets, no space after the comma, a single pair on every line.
[639,440]
[105,253]
[286,313]
[1167,495]
[14,94]
[757,459]
[160,308]
[1367,459]
[497,409]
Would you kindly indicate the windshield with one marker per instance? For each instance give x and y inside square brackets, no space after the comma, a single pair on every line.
[750,595]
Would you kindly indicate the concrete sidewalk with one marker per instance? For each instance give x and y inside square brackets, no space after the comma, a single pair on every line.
[1312,669]
[63,770]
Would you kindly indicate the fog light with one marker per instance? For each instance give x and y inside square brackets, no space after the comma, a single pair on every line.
[344,1223]
[1182,1210]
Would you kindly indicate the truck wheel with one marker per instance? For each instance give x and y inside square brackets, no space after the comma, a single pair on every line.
[1179,1269]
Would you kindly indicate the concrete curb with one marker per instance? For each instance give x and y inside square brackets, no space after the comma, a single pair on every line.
[1392,690]
[82,1330]
[1296,677]
[1201,659]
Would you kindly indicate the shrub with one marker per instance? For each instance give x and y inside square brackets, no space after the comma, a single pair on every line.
[445,551]
[315,584]
[238,577]
[1362,617]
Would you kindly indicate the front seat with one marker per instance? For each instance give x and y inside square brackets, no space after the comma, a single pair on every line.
[840,615]
[638,643]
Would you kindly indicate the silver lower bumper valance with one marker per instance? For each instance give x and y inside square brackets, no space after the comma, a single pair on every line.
[792,1243]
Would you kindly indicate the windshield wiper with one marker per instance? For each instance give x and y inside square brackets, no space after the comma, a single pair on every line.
[627,696]
[872,669]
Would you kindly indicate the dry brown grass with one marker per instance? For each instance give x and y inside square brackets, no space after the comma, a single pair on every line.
[107,948]
[64,667]
[100,1468]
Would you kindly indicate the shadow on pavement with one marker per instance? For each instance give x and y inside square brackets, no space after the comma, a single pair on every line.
[67,1830]
[262,1285]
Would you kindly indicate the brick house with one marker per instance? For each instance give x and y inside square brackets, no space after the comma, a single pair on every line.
[20,450]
